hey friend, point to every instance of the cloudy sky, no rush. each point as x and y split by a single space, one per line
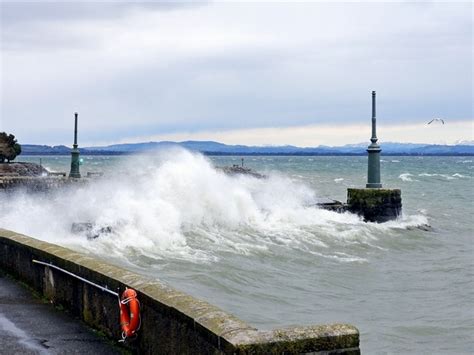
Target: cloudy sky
262 73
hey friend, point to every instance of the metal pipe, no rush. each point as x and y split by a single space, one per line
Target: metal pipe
374 133
105 289
75 129
373 171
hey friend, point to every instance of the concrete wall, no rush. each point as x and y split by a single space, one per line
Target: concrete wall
375 205
172 322
35 184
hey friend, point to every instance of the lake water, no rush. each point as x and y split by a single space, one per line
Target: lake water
257 249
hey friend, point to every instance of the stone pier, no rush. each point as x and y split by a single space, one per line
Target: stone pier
375 205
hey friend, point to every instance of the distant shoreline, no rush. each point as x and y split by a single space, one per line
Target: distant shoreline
212 148
309 154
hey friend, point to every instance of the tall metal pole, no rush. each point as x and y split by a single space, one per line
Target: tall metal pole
374 120
373 171
75 130
74 173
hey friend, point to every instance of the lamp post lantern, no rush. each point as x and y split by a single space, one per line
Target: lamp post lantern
74 173
373 172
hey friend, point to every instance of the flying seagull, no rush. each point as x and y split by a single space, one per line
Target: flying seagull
436 120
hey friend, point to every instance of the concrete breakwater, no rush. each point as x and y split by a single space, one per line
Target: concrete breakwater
172 322
37 184
375 205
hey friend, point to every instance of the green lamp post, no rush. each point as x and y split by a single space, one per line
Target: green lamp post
373 173
74 173
374 203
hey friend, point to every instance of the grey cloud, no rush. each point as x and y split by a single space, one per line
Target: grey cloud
35 25
27 12
419 72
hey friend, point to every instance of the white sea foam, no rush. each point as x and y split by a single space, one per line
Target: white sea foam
445 176
338 179
406 177
341 257
407 222
460 176
177 205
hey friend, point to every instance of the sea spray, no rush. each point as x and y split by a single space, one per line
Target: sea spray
406 287
175 205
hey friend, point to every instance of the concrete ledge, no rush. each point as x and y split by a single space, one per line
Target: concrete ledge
37 184
172 322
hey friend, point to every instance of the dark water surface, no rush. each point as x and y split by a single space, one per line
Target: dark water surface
256 249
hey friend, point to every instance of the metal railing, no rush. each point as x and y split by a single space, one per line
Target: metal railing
105 289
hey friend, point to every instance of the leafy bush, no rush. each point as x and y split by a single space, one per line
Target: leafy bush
9 147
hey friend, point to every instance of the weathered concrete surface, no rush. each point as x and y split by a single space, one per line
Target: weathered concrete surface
375 205
240 170
331 205
37 184
21 169
172 322
30 326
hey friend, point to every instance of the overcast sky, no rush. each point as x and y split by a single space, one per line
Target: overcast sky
249 73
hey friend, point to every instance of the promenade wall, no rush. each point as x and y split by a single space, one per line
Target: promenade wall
172 321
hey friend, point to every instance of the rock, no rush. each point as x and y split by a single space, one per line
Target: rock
331 205
90 230
239 170
22 169
423 227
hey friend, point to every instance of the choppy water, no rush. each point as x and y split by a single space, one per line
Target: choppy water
255 248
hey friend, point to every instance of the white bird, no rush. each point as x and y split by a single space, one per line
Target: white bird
436 120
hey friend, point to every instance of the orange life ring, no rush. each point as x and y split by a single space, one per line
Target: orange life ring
129 313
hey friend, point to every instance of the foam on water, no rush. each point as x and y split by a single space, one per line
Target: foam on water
254 247
460 176
177 205
406 177
445 176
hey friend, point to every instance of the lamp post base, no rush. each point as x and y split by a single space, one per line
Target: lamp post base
375 204
74 173
373 186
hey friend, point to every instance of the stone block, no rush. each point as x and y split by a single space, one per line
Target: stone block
375 205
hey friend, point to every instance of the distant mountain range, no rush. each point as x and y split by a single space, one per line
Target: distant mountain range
215 148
